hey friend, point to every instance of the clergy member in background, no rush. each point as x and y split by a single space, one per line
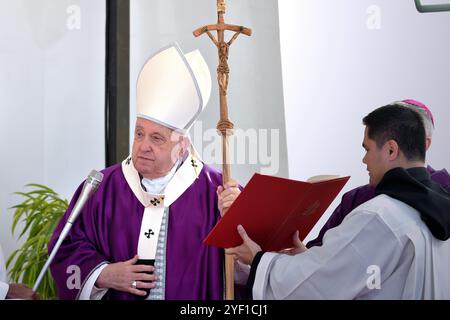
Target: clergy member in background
357 196
142 231
13 290
394 246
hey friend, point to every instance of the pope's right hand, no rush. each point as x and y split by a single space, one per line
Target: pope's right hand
121 276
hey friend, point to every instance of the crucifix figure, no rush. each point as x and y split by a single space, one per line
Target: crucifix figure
224 126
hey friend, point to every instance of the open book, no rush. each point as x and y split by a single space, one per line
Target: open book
271 209
322 177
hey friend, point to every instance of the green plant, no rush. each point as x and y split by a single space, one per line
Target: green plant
41 211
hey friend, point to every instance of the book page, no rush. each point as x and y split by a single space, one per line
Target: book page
322 177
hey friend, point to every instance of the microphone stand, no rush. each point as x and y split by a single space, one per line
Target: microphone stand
90 186
52 255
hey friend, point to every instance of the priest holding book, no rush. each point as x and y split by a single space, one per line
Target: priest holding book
394 246
359 195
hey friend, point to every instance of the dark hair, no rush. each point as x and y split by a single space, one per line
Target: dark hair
400 124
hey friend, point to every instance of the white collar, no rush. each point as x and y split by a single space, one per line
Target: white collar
182 179
157 186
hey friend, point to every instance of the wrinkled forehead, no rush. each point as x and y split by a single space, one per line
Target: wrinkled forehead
150 126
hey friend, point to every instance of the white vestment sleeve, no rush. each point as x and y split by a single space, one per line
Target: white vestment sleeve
336 270
89 290
4 287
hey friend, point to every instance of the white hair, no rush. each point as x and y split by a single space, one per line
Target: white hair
426 120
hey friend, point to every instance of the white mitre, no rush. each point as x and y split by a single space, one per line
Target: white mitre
173 88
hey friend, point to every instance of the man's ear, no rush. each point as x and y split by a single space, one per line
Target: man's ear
427 143
184 143
392 149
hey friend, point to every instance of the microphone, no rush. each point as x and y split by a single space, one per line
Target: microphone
90 186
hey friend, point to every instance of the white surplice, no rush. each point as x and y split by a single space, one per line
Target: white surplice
384 237
4 286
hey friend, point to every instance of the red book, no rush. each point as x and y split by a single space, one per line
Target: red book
271 209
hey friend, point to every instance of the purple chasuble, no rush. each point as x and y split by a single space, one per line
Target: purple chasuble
107 230
358 196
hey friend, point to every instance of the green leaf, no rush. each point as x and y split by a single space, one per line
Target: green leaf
41 186
24 194
16 219
27 226
11 257
40 211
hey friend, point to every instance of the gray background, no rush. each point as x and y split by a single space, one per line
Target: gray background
51 99
338 66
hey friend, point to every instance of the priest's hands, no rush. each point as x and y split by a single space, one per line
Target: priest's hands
21 291
247 251
299 247
227 195
122 275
